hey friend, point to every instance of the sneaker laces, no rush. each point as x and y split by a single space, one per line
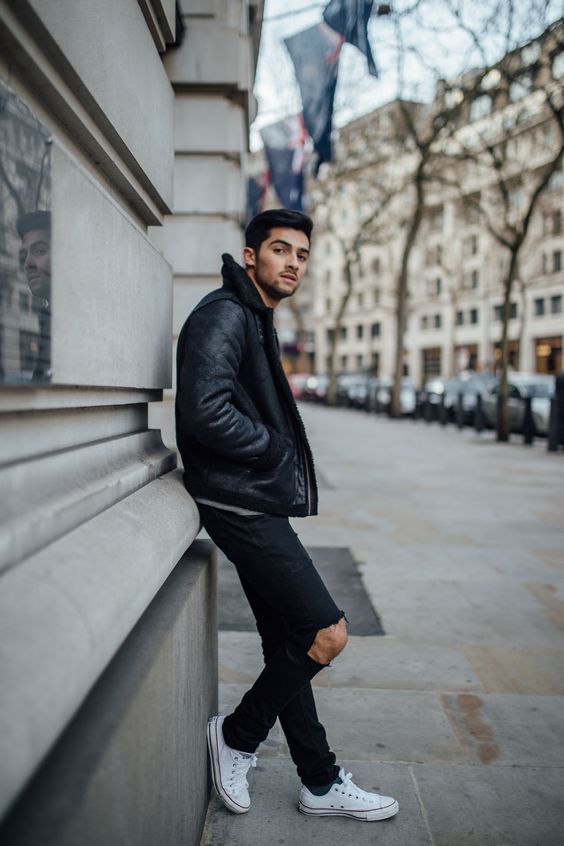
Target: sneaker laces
239 769
349 785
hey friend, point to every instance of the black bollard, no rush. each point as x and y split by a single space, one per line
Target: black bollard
443 417
460 411
528 422
556 421
478 415
428 411
553 434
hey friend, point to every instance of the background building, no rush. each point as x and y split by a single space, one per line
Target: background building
457 266
107 608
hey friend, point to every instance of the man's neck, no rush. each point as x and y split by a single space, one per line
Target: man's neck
268 301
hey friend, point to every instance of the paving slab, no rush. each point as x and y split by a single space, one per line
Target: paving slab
508 729
274 818
383 725
518 669
492 806
374 662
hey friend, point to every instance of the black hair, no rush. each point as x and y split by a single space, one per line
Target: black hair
33 221
258 229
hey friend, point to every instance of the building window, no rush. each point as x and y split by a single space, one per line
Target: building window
544 264
376 330
424 321
498 312
330 335
360 331
29 349
438 321
360 299
557 223
513 311
376 265
344 361
474 279
328 277
359 362
376 296
539 307
327 305
24 301
473 315
556 261
343 333
556 304
460 318
431 362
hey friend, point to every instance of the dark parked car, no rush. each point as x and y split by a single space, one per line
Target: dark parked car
380 395
520 386
315 388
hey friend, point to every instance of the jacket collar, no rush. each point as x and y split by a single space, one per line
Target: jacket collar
236 278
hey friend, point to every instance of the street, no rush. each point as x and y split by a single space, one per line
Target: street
457 710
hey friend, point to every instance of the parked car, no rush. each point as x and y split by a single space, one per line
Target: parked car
470 385
351 390
538 386
298 382
315 389
380 395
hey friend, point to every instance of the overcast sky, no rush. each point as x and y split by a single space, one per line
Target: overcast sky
447 48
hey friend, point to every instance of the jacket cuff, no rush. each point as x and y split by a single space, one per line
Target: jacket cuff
275 451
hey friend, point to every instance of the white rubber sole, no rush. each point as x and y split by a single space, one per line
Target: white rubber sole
212 731
365 816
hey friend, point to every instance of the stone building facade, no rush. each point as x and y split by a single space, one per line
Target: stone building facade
456 268
108 663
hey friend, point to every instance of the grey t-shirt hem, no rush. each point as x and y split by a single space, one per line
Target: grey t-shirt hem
244 512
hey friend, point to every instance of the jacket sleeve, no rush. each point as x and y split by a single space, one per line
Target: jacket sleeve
208 366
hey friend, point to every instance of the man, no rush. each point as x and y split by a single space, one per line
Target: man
249 466
34 230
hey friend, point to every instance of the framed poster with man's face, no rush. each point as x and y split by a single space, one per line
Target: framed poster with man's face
25 243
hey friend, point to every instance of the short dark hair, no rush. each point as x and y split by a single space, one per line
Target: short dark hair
33 221
258 229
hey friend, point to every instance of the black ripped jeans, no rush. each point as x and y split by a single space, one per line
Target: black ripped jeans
290 604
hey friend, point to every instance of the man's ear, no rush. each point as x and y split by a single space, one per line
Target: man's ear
249 257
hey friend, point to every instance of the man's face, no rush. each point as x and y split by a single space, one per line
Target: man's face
35 259
281 262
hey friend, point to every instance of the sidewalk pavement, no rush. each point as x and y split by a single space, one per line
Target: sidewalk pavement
458 710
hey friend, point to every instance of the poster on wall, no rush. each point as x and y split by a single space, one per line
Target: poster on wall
25 243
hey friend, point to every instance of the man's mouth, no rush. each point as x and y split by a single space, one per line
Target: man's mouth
289 276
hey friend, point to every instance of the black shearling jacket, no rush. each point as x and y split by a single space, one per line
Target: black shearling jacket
238 429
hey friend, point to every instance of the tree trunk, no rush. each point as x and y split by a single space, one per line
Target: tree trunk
332 386
402 285
502 414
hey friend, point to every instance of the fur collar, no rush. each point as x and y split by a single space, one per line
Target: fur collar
236 278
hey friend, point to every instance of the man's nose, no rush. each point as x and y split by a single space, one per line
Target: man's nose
29 262
293 262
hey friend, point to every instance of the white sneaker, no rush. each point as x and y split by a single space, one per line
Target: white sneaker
348 800
229 769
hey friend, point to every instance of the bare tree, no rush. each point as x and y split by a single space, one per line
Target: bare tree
513 160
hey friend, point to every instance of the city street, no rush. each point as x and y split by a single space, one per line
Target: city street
457 710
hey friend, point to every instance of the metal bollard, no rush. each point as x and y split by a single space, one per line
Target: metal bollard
528 422
460 411
428 411
479 415
443 411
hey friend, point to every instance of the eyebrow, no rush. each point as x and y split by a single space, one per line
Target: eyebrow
287 244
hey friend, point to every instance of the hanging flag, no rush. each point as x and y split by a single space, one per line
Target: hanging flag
257 186
315 54
284 146
350 19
